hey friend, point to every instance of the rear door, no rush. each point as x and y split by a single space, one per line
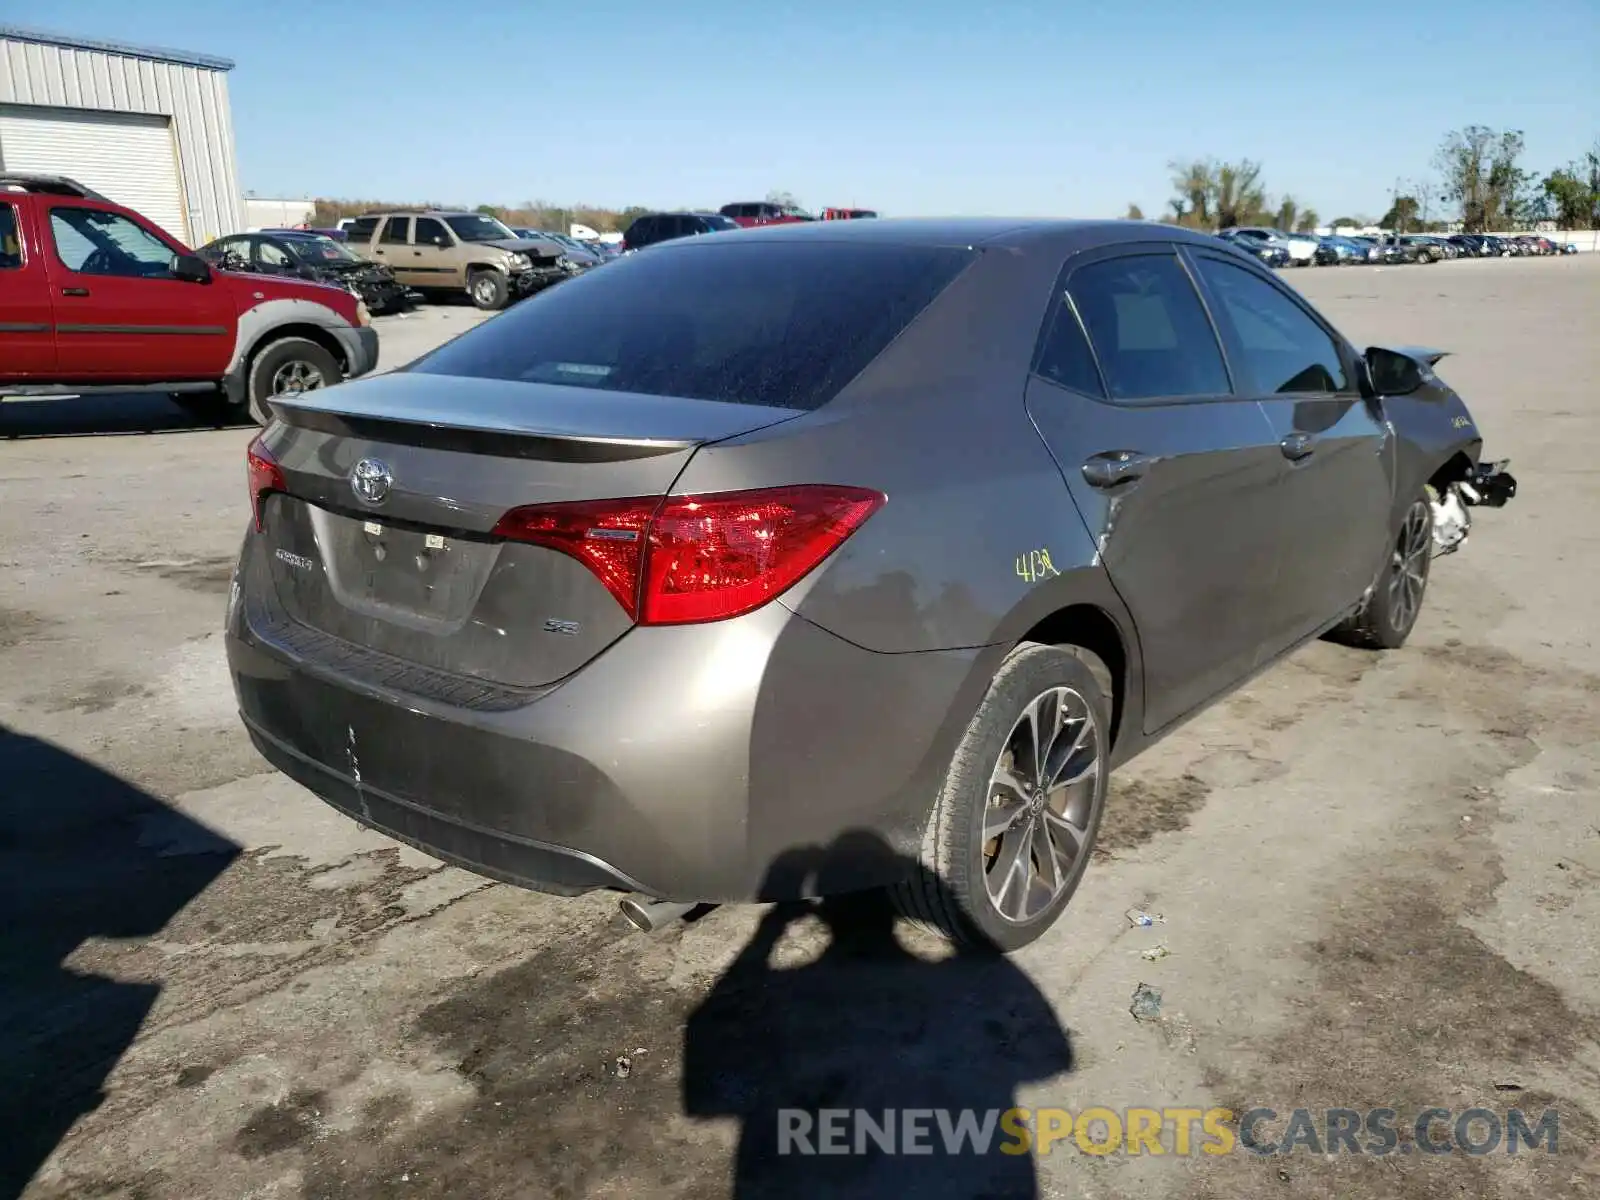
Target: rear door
27 334
393 246
1334 499
1172 472
119 312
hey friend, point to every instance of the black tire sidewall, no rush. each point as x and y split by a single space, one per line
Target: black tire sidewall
273 356
1028 671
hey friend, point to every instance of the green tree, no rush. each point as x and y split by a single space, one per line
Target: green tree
1403 214
1135 213
1308 221
488 210
1572 193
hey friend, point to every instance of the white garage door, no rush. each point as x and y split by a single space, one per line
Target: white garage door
128 157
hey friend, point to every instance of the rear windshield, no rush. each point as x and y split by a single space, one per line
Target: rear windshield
743 322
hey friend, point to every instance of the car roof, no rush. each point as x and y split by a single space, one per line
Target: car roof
992 232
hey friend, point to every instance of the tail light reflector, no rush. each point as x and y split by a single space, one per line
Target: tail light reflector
687 559
265 476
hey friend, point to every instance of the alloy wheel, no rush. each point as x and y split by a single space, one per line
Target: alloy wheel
1040 807
296 376
483 290
1407 577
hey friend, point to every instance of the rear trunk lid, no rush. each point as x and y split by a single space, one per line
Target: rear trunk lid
382 537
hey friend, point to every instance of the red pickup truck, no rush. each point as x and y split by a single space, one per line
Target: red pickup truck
95 298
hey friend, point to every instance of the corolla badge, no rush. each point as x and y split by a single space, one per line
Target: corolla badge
370 480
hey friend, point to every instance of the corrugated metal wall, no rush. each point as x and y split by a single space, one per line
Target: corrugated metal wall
196 98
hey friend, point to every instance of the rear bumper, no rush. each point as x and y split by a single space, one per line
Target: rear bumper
694 762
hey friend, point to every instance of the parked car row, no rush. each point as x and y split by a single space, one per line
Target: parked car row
1276 248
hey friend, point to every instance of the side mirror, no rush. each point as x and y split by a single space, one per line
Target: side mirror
442 242
190 268
1392 374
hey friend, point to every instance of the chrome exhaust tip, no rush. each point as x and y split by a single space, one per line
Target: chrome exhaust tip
651 916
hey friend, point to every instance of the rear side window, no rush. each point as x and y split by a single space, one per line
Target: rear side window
361 229
1285 351
1065 357
397 231
1149 330
753 323
641 231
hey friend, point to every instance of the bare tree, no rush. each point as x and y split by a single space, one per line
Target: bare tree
786 199
1481 175
1135 213
1239 198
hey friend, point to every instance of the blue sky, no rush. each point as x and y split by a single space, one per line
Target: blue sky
1065 108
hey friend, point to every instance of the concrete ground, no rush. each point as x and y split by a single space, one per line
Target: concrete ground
1379 873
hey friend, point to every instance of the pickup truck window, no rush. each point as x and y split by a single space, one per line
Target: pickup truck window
10 243
94 242
396 231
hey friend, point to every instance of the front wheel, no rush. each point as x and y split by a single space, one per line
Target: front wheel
489 290
288 367
1013 827
1390 612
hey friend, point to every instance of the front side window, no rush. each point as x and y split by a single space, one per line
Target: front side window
10 240
1149 330
92 241
431 232
475 227
317 250
270 255
1285 351
754 323
396 231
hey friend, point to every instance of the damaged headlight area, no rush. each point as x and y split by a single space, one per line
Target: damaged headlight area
1488 485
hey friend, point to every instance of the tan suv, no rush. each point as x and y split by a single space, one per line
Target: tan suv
435 251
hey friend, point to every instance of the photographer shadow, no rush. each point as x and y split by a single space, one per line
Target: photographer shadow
84 857
873 1029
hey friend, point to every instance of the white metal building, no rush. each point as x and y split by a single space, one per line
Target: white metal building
150 129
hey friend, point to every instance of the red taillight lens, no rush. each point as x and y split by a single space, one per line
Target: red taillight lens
607 536
265 476
687 559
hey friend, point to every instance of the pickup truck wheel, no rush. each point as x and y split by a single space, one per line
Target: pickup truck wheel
1390 613
288 367
489 290
1014 825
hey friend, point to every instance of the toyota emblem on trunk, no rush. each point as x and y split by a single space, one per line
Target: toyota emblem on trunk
371 480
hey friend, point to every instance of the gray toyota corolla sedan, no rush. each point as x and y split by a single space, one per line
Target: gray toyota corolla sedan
693 576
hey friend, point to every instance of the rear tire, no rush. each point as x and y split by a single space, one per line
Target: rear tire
1389 614
961 888
289 366
488 290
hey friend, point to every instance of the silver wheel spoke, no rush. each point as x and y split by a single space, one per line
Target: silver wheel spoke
1011 870
998 818
1047 866
1065 835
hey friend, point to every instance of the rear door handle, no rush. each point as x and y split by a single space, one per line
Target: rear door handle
74 291
1297 446
1111 467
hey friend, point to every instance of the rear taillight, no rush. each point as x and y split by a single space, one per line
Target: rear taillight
688 559
265 476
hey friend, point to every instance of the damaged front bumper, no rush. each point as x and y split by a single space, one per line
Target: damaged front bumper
1487 485
536 279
